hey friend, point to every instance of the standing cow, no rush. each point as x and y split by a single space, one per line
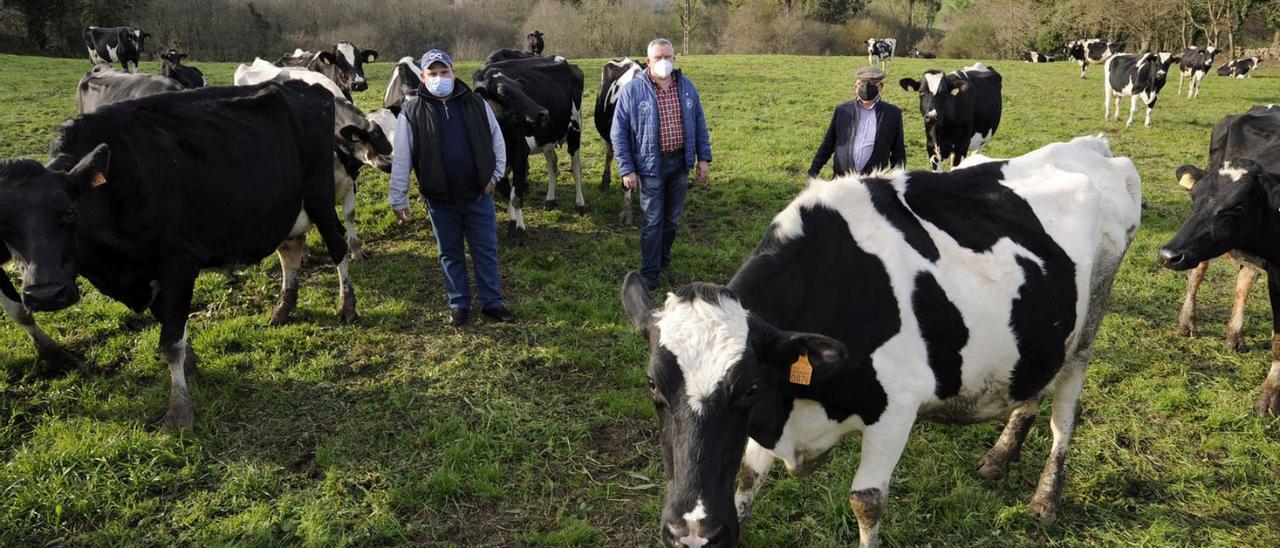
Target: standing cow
536 44
1139 77
140 196
115 45
104 85
538 103
1234 207
189 77
1092 51
615 75
880 50
1195 63
980 291
344 64
961 111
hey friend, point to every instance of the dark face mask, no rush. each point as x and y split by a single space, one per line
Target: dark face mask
869 92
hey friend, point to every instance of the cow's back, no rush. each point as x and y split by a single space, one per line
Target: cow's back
1254 135
104 85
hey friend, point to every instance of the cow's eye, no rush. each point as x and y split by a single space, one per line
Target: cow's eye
749 395
69 217
1235 211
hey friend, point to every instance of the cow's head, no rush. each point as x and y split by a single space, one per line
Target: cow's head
711 365
350 62
509 101
535 40
37 221
1157 64
173 57
1230 205
139 37
361 136
936 91
403 84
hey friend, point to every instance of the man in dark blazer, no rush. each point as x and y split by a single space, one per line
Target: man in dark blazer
865 134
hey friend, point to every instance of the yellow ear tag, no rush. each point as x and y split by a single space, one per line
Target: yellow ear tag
801 371
99 179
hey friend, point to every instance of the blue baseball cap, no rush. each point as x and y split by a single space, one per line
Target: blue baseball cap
435 56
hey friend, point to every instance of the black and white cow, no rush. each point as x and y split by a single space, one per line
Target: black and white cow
961 111
1234 207
105 85
189 77
115 45
1195 62
880 50
1037 57
1240 68
615 75
538 102
1135 76
536 44
1092 51
916 53
140 196
979 292
344 64
404 83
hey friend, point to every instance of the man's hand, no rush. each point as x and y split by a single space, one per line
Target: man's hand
630 181
704 169
403 215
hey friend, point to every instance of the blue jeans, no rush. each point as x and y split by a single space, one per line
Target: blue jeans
661 204
477 221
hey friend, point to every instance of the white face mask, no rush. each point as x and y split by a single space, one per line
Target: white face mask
662 69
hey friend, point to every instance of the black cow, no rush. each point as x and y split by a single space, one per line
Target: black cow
1139 77
344 64
404 83
1195 62
979 291
538 102
189 77
1092 51
140 196
536 44
916 53
115 45
880 50
1240 68
1234 207
105 85
615 75
961 111
1037 57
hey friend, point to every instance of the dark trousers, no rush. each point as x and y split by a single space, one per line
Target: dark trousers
477 222
662 205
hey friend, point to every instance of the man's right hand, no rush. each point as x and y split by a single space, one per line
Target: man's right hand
403 215
630 181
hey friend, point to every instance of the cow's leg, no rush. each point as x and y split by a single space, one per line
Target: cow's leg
755 463
1269 400
1245 277
1150 107
575 163
516 229
1009 446
515 213
290 253
346 293
1106 104
935 154
354 247
1133 107
1066 405
171 307
553 173
605 178
47 350
1082 65
1187 316
626 216
882 445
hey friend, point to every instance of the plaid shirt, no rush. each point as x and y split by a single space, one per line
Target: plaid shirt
671 128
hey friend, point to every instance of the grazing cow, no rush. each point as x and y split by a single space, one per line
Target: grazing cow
1240 68
916 53
880 50
538 102
105 85
1092 51
1037 57
1234 207
344 64
360 139
979 292
1139 77
115 45
615 75
535 42
140 196
961 111
189 77
404 83
1195 63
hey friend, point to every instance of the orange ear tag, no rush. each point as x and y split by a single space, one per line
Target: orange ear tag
801 371
99 179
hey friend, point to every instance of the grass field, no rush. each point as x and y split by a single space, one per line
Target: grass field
403 430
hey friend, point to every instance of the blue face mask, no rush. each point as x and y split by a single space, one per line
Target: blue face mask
440 86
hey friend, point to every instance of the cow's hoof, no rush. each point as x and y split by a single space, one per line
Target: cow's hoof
549 204
991 468
280 316
56 359
190 363
1235 341
625 217
358 254
347 309
1269 402
1046 510
518 236
181 414
1186 329
582 209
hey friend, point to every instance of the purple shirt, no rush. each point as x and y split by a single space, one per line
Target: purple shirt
864 135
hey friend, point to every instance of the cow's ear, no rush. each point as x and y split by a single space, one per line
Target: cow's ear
354 134
786 347
909 84
637 303
959 86
325 57
1188 175
89 172
369 55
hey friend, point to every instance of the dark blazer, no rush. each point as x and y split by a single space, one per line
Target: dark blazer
889 151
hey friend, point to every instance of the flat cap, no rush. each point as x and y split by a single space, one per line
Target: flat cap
873 74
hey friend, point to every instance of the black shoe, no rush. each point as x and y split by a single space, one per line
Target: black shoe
458 316
499 314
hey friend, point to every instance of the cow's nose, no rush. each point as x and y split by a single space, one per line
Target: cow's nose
1170 258
50 296
359 85
931 115
679 535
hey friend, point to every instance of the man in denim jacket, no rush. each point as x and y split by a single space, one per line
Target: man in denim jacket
659 134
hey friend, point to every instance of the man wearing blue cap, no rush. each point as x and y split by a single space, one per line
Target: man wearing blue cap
449 137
